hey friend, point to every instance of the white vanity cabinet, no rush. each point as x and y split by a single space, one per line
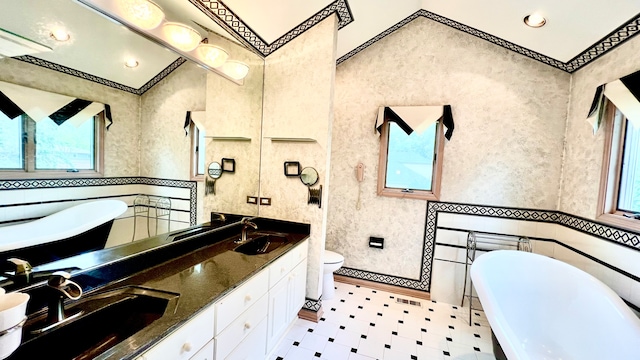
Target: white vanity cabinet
190 341
247 322
286 293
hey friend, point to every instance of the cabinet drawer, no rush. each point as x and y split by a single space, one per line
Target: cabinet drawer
253 346
186 341
206 353
241 327
287 262
240 299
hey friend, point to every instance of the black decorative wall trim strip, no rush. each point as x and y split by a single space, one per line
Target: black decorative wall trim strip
313 305
25 184
617 37
96 79
161 75
616 235
229 21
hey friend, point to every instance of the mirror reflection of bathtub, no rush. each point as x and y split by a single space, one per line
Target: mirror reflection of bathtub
72 231
542 308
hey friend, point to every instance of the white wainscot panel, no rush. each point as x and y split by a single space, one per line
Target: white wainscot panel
543 247
450 253
451 237
167 191
612 253
546 230
8 197
447 282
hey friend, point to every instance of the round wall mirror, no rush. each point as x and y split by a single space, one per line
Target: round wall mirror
309 176
215 170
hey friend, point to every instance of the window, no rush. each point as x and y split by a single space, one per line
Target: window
46 149
410 165
619 200
198 152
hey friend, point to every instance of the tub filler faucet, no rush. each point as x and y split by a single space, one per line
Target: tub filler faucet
246 224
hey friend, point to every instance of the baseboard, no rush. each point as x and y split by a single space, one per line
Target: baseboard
311 315
383 287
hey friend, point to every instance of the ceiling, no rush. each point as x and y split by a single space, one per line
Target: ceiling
577 31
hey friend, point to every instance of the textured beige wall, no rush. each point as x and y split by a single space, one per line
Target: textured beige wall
298 101
583 150
506 150
121 141
164 148
235 111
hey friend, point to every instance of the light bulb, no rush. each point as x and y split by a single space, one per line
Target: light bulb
235 69
142 13
60 34
181 36
535 20
212 55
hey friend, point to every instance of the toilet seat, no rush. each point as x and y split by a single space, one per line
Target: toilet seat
332 258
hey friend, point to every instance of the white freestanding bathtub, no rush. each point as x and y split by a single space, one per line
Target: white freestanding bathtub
541 308
80 228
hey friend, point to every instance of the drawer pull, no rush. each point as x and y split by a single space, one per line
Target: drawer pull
283 269
247 298
186 347
247 325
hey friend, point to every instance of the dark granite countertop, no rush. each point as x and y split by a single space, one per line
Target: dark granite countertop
201 276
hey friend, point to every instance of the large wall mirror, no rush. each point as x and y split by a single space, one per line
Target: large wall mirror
149 89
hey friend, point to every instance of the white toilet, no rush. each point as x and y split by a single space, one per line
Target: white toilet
332 262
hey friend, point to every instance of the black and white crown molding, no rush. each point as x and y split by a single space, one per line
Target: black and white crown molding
229 21
615 38
27 184
96 79
616 235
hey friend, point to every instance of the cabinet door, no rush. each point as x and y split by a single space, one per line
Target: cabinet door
297 290
278 316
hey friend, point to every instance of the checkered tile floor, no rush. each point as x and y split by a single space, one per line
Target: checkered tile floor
365 324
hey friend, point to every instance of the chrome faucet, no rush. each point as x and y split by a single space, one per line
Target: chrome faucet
61 288
246 224
218 216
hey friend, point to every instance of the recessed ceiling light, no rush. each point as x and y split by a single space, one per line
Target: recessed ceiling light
142 13
60 34
131 63
535 20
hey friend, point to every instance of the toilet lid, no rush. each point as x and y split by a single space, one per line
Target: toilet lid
332 258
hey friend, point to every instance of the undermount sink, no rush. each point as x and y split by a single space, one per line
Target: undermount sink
262 243
107 319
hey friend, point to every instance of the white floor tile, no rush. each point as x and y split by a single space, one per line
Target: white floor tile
358 326
371 347
429 353
462 352
333 351
296 333
298 353
326 328
354 356
314 342
407 345
347 338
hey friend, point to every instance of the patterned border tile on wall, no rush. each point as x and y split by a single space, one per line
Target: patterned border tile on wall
96 79
25 184
605 232
313 305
